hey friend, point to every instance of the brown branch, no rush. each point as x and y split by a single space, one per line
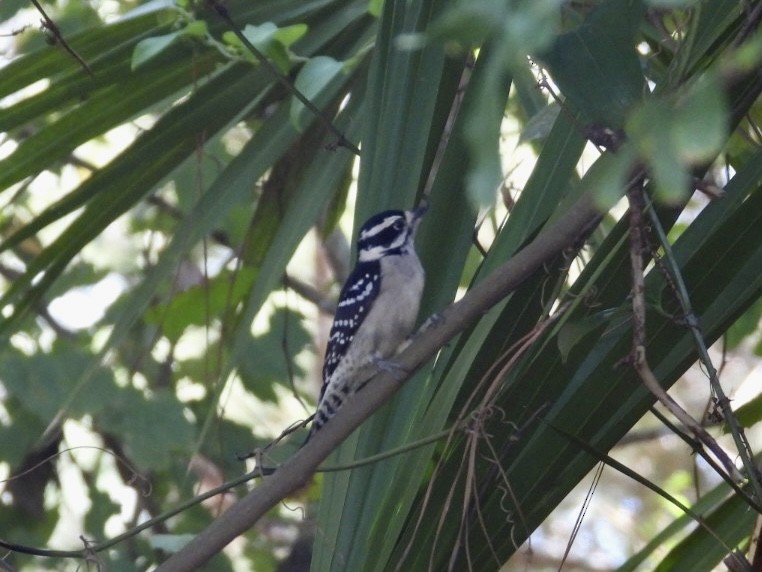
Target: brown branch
677 284
455 107
51 27
638 357
296 471
474 416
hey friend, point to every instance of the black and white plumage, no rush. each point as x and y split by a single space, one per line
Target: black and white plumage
377 308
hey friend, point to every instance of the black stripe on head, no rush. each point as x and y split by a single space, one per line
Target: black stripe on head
382 233
380 228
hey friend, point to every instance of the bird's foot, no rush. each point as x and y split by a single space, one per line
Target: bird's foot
394 369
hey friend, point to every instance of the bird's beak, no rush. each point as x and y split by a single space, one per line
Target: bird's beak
420 211
414 217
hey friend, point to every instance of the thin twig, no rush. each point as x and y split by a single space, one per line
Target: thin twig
699 450
739 437
457 104
494 377
256 473
627 471
753 19
638 358
342 141
597 474
297 470
51 26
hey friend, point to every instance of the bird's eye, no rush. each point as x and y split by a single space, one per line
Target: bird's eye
399 225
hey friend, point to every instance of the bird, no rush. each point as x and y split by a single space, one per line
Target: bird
376 310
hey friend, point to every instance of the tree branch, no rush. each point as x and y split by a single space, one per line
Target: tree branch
681 293
52 27
296 471
638 358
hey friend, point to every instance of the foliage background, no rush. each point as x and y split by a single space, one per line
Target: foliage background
179 185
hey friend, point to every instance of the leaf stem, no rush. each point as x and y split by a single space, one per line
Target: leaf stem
49 25
625 470
638 358
258 472
342 141
681 292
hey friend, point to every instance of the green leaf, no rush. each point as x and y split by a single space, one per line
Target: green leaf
699 127
539 125
469 22
270 40
607 178
127 179
651 129
197 305
744 327
23 430
97 45
42 382
596 65
530 27
670 4
127 94
288 35
674 134
315 76
482 132
664 539
404 90
749 413
732 521
102 509
375 7
573 331
269 358
151 47
10 7
231 187
196 29
152 427
514 29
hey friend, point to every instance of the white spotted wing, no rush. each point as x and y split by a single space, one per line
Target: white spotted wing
355 302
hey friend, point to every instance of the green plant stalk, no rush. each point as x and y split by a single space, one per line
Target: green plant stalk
695 446
742 444
616 465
